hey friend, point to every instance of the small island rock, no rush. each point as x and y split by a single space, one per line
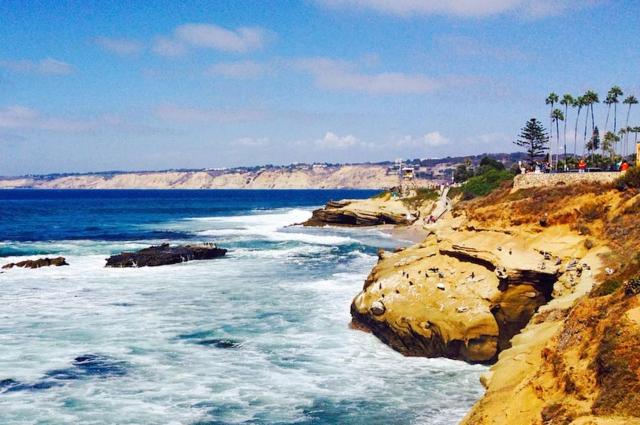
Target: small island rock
165 254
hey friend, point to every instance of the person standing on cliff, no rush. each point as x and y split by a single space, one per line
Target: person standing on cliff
582 165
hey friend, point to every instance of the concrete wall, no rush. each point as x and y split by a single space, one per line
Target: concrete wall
524 181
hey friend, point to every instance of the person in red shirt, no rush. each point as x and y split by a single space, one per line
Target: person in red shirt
582 165
624 166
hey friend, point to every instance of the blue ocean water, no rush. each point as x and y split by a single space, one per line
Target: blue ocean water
258 337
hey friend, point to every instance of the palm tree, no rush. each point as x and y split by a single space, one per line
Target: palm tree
586 99
622 136
592 98
567 100
552 99
608 101
635 131
578 103
630 100
616 92
557 115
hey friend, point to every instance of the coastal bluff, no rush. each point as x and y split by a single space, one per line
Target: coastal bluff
384 208
368 212
543 283
356 176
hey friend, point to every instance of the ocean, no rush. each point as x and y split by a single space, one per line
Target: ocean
260 336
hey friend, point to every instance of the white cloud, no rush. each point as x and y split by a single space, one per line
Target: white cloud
490 139
168 47
46 66
240 70
200 115
210 36
24 118
333 141
120 46
461 8
469 46
340 75
432 139
252 141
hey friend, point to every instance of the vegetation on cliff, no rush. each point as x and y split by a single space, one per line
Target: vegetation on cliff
490 175
577 362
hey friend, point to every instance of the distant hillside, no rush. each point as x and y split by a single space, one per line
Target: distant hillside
295 176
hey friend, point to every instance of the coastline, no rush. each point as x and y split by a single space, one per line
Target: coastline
511 272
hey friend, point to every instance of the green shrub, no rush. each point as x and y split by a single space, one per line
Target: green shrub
607 287
485 183
631 178
422 194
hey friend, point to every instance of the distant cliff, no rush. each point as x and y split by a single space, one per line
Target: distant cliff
360 176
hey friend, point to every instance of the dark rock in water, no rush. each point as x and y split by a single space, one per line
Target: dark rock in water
12 385
99 365
83 367
219 343
6 384
89 365
165 254
40 262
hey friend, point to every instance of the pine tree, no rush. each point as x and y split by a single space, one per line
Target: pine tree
534 138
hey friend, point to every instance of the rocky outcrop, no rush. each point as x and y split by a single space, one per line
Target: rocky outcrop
465 294
165 254
36 264
367 212
581 367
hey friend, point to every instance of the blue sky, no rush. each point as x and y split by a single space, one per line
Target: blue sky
97 85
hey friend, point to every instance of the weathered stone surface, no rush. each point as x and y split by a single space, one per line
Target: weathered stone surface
40 262
365 212
443 297
165 254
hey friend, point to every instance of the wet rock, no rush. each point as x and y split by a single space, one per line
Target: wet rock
165 254
219 343
36 264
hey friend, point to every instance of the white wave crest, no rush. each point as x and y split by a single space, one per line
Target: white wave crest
272 226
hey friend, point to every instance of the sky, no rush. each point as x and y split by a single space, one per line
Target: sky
107 85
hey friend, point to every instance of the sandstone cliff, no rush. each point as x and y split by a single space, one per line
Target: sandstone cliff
361 176
534 281
381 209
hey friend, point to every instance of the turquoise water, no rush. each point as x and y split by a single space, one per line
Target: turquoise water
258 337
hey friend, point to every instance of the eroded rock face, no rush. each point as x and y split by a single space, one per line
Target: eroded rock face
165 254
362 213
40 262
445 299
